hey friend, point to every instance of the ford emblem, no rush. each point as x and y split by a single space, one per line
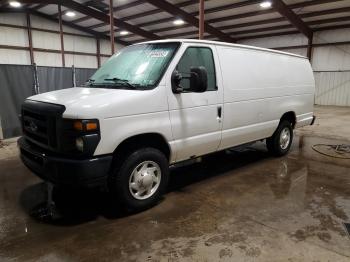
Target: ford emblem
33 127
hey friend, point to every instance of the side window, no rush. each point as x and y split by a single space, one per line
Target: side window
194 57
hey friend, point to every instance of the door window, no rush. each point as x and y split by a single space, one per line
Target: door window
195 57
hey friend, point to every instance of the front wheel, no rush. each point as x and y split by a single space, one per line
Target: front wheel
141 180
280 142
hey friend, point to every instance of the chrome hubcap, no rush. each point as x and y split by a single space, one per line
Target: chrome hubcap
285 138
145 180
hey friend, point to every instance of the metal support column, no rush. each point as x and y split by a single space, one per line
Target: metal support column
61 34
30 39
201 19
111 23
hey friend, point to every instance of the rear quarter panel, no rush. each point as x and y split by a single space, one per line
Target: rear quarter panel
259 87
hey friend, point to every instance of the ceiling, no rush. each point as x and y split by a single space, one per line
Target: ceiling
234 19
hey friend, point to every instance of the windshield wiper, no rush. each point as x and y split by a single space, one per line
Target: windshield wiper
90 82
125 81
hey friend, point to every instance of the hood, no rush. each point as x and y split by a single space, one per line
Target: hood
84 102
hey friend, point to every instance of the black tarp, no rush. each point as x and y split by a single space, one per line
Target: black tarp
17 83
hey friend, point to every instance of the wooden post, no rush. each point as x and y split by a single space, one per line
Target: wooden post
98 52
111 23
61 34
201 19
30 40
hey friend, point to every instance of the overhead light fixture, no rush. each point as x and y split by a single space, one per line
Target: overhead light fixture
70 14
178 22
15 4
265 4
124 33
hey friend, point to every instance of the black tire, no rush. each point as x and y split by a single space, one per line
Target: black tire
119 183
273 143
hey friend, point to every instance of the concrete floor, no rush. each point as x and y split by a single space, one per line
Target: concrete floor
237 206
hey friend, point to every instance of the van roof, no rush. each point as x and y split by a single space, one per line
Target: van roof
223 44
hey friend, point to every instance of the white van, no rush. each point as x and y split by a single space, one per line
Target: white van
157 103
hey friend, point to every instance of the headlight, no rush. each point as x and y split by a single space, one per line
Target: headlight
79 144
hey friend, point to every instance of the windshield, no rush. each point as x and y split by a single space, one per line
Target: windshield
135 67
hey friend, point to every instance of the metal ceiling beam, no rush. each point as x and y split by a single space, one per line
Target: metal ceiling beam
38 6
232 17
105 18
178 12
151 12
264 29
295 20
77 27
323 28
97 15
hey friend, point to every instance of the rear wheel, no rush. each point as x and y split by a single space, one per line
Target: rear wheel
280 142
141 179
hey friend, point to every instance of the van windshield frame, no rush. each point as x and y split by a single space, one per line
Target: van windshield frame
136 67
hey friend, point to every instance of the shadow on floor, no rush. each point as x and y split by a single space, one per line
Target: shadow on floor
77 206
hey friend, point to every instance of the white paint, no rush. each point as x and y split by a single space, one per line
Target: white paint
255 88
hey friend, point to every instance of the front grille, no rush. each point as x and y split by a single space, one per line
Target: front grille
39 121
35 126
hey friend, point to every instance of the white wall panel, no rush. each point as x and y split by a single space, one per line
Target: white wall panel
13 36
277 41
46 40
103 59
42 23
47 59
13 19
331 58
79 44
81 61
332 36
105 47
298 51
17 57
332 88
72 30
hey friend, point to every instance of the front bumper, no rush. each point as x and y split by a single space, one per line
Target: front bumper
90 172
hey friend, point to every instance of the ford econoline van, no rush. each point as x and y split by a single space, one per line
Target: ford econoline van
157 103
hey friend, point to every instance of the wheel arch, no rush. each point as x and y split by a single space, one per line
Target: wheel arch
138 141
289 116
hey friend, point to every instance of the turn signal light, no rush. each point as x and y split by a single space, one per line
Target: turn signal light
91 126
85 125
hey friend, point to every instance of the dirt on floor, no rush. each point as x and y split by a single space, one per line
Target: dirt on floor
238 205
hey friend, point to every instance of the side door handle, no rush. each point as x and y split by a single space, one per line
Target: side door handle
219 113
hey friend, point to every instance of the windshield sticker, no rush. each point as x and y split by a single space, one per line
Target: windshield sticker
158 53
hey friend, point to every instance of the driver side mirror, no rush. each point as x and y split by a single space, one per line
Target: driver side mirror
198 80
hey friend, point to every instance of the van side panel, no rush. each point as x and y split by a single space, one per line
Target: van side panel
259 87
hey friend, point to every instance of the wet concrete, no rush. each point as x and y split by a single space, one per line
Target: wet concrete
234 206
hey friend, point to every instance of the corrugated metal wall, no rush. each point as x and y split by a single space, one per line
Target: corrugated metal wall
333 88
47 40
